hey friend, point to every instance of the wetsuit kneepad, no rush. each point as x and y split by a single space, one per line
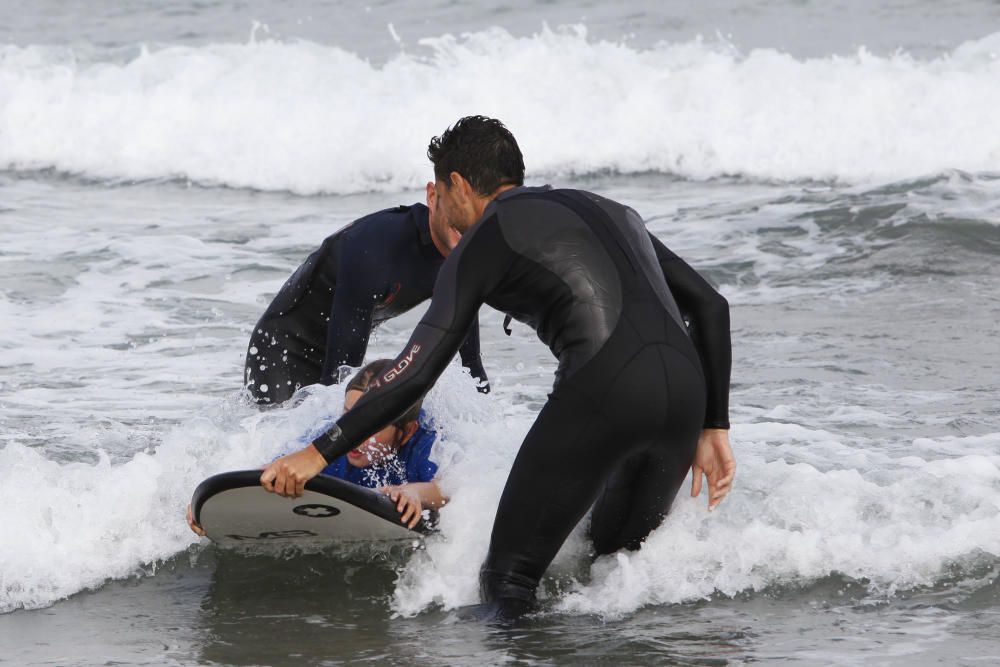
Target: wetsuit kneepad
376 268
633 388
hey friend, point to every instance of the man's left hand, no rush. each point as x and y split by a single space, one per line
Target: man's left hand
713 458
288 475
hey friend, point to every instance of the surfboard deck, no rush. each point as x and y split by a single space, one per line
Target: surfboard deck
236 511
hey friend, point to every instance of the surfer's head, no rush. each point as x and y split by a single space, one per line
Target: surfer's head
474 160
386 442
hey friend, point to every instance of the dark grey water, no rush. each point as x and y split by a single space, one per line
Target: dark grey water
257 610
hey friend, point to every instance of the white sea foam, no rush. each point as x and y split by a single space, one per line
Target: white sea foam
308 118
82 523
843 504
896 523
795 524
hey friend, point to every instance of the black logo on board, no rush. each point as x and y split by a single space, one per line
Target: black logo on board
275 535
316 511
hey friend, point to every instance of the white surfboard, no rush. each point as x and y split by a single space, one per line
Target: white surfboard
236 511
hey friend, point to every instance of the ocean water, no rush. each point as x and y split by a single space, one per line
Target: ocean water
834 168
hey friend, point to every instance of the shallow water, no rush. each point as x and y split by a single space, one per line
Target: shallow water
151 203
222 609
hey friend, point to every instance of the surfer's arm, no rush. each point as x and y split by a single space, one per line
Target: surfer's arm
471 357
469 274
351 315
708 312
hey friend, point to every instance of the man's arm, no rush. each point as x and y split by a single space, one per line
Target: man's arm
466 278
708 312
351 315
469 274
471 357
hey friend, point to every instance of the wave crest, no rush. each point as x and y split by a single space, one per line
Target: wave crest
312 119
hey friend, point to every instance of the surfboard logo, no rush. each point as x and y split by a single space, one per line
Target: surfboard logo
403 364
274 535
316 511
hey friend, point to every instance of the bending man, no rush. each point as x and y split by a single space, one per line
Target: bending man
376 268
637 402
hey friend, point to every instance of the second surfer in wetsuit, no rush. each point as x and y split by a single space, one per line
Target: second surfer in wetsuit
376 268
637 401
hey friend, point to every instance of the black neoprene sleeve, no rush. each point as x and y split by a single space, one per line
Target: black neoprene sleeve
471 357
471 271
708 312
350 318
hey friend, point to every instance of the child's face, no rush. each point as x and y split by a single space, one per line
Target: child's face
376 448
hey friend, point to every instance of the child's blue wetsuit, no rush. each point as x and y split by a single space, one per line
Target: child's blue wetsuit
411 463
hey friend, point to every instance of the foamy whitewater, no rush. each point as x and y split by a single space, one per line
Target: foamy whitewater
156 192
300 117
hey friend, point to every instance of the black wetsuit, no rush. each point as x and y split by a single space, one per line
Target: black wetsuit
376 268
633 390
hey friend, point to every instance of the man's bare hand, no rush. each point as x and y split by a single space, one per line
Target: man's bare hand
198 530
713 459
288 475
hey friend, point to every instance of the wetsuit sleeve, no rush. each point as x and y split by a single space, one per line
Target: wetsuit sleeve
471 272
708 313
350 323
471 357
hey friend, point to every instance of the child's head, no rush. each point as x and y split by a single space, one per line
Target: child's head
386 442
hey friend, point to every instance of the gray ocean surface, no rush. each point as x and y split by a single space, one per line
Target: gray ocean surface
834 168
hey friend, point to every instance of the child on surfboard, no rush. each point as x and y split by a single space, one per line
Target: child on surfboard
395 461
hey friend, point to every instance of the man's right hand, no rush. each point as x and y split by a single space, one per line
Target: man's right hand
288 475
713 459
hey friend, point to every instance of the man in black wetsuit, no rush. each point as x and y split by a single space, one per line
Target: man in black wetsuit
639 398
376 268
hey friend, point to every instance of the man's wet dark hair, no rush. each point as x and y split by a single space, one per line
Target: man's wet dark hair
482 150
362 381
